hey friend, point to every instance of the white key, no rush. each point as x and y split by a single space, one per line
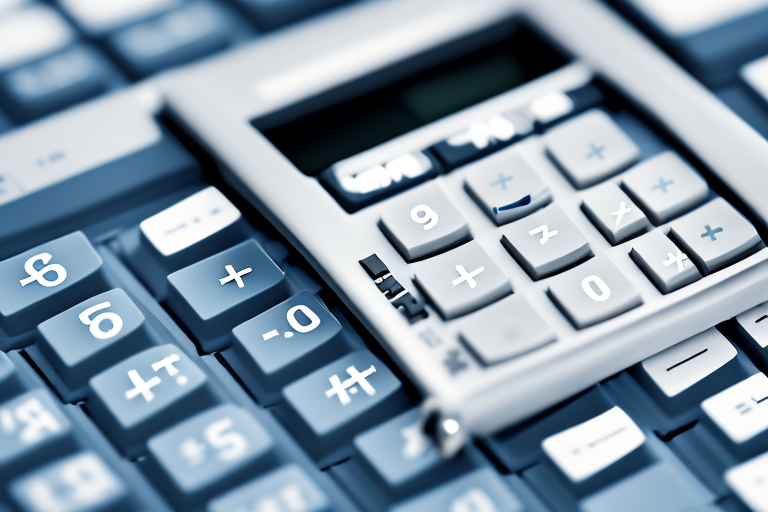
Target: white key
749 481
755 322
741 411
103 15
756 75
681 366
683 17
189 221
588 448
31 33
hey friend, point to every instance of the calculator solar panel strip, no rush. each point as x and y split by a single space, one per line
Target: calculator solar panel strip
219 99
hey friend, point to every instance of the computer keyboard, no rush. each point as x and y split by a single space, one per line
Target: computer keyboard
402 255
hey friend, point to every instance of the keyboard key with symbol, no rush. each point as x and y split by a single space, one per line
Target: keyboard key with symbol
214 295
715 235
741 413
145 394
666 186
614 213
545 242
667 266
461 280
590 147
752 331
750 482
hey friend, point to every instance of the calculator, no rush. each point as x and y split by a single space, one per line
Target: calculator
391 255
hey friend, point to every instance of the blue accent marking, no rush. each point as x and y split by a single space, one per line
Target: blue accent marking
520 202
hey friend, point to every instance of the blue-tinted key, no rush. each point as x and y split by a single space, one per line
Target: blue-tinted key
269 14
479 491
214 295
285 489
331 404
46 280
95 334
79 483
284 343
10 381
32 429
146 393
208 453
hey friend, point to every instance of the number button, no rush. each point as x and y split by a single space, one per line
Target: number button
208 453
423 222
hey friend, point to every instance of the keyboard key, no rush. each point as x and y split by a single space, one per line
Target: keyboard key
96 17
715 235
330 405
31 33
504 330
207 454
461 280
667 266
756 75
46 280
145 394
590 147
753 323
10 380
593 292
269 14
506 186
78 483
614 214
216 294
481 138
283 344
545 242
666 186
285 489
750 482
95 334
423 222
741 411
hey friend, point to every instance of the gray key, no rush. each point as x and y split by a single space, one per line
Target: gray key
593 292
461 280
500 184
507 329
546 242
423 222
590 148
666 186
715 235
614 213
665 265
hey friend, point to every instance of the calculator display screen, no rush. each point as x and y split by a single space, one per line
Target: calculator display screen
321 138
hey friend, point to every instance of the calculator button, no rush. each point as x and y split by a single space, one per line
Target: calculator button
96 17
715 235
506 186
92 336
755 324
614 213
423 222
545 242
331 404
479 138
46 280
31 33
593 292
749 480
666 186
504 330
10 380
214 295
268 14
741 411
145 394
667 266
208 453
461 280
288 488
78 483
590 147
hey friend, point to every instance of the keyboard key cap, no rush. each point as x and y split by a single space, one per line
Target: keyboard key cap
545 242
46 280
750 482
461 280
614 214
506 186
666 186
590 147
95 334
423 222
10 380
96 17
593 292
31 33
504 330
330 405
207 454
145 394
741 411
715 235
667 266
285 489
216 294
752 331
481 138
283 344
78 483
